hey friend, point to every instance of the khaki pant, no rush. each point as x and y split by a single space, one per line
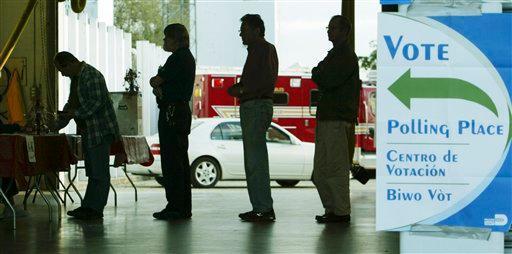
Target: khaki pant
331 171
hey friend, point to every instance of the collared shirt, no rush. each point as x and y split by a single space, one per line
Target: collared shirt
260 71
96 109
337 78
179 74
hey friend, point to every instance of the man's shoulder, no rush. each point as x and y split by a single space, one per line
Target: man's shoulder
90 70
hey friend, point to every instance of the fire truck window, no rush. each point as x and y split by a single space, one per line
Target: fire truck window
216 134
314 97
280 99
276 136
231 131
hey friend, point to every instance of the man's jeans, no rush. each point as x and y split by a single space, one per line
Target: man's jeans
97 169
255 118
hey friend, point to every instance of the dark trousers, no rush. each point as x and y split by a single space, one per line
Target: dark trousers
97 169
173 129
255 118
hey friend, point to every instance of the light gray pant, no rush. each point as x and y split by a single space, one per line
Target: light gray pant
332 163
255 118
97 169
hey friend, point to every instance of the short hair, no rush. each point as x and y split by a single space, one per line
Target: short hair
179 33
254 21
65 57
343 22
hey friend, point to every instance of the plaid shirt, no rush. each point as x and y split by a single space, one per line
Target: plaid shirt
96 109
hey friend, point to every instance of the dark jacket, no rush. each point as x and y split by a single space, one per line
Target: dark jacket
179 74
337 78
260 72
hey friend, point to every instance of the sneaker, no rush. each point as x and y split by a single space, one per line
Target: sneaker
332 218
253 216
85 213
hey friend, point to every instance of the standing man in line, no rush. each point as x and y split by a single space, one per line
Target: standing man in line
89 104
173 87
255 91
337 78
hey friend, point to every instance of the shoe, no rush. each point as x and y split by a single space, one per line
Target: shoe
85 213
171 215
252 216
75 212
332 218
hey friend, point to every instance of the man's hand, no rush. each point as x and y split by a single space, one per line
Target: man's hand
156 81
66 115
235 90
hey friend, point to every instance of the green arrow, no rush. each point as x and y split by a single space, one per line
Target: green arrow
407 88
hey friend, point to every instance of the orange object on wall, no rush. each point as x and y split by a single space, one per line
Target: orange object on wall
15 100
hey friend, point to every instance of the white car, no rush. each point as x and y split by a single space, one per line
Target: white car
216 153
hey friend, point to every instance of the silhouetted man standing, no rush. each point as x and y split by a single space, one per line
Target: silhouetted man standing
337 78
255 90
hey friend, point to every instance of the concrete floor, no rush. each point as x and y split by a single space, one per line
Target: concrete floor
214 228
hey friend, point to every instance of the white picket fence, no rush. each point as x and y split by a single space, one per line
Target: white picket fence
149 58
109 49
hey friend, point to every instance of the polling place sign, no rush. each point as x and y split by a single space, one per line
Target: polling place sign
444 121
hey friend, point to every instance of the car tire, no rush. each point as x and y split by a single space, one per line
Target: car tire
205 172
287 183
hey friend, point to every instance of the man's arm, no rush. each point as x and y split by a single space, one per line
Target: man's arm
333 73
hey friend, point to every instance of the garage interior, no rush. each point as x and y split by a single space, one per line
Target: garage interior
214 227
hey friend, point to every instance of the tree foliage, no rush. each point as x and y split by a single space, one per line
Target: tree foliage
141 18
370 62
146 19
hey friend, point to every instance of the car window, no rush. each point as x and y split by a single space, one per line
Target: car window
216 134
227 131
275 135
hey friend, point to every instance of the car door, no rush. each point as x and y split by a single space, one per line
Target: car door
286 160
227 139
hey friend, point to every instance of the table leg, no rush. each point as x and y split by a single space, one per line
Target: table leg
131 182
54 192
27 193
9 206
63 186
72 185
115 194
38 189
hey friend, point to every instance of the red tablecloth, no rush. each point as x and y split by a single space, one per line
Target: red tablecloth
52 153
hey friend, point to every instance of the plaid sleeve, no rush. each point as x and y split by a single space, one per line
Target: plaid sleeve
92 94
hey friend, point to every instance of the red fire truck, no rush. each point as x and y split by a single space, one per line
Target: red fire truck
295 100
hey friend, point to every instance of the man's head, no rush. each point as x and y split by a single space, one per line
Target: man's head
176 36
338 29
67 64
252 28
